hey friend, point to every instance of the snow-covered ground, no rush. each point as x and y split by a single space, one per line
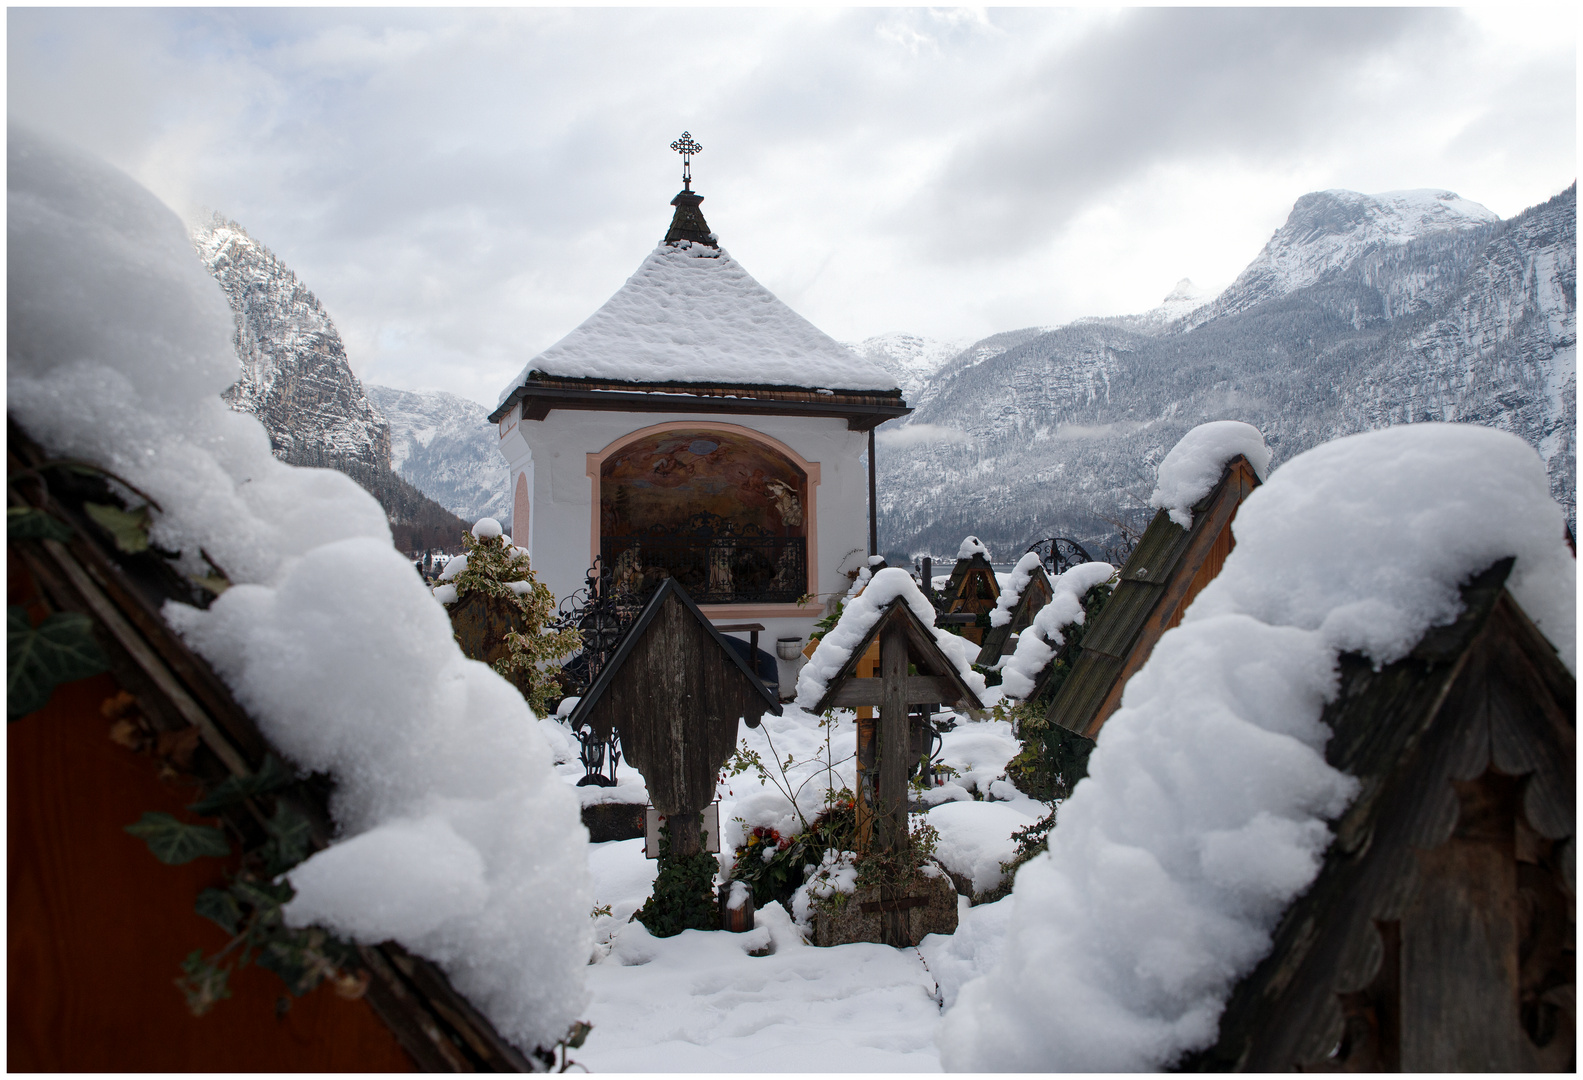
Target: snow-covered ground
703 1002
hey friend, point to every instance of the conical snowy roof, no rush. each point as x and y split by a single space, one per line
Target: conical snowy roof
691 314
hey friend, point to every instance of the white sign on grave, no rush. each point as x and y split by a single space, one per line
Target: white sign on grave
652 820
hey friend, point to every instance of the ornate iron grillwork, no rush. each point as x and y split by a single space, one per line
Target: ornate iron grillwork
716 560
603 615
1060 554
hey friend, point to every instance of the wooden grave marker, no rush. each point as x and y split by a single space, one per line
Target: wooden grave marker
1168 568
1037 593
1439 933
884 747
972 590
675 691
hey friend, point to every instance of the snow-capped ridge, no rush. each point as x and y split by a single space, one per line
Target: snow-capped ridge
911 358
445 446
1328 231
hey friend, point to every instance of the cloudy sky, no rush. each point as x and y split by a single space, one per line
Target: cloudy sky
462 187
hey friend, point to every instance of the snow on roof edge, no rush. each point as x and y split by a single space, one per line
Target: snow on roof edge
1199 459
859 616
691 314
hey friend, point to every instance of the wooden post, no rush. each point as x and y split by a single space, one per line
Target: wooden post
891 790
868 668
891 804
684 834
873 510
867 777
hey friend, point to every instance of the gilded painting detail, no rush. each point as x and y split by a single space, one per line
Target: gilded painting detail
722 514
661 481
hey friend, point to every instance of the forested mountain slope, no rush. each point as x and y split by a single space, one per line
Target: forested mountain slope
1450 316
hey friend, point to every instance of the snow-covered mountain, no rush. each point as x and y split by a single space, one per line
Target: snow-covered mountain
909 357
296 380
1329 231
295 377
1363 311
446 447
1184 299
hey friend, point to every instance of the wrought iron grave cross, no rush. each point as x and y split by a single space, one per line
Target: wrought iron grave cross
686 147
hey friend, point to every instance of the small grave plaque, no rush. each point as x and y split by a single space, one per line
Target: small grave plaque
653 819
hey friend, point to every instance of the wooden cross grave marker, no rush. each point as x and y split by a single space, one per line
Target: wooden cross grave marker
884 746
972 590
1034 596
675 691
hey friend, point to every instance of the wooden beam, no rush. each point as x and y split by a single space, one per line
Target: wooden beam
539 402
891 811
916 690
890 817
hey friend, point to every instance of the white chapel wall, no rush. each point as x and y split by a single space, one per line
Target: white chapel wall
553 453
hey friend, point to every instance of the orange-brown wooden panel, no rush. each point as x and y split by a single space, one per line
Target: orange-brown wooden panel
1207 571
97 928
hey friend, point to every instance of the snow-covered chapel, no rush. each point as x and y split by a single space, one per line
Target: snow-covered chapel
697 428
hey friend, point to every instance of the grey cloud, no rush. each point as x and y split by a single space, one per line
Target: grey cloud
461 187
1161 85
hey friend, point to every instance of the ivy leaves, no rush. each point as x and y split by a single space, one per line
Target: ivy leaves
271 776
58 650
175 842
250 906
203 982
28 523
128 528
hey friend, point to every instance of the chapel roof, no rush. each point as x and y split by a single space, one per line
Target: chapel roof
692 315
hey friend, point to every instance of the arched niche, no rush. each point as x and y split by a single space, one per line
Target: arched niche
724 510
519 512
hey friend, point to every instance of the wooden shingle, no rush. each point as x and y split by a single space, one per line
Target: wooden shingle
1164 573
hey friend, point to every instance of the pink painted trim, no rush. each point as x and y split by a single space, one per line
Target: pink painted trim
521 513
811 511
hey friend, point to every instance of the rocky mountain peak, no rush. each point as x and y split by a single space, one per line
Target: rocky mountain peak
1328 231
295 376
911 358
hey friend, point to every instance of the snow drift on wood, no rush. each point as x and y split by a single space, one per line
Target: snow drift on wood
971 545
1196 463
1037 644
456 837
1204 811
691 314
1011 591
1368 538
859 616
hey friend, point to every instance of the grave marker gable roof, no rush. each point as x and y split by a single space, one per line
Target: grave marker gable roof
588 711
959 572
1161 577
1034 596
923 652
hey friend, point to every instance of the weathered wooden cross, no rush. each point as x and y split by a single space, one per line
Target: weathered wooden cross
885 746
675 691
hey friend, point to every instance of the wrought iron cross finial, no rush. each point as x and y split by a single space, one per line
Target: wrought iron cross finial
686 147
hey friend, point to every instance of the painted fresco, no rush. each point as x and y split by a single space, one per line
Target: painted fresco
660 481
